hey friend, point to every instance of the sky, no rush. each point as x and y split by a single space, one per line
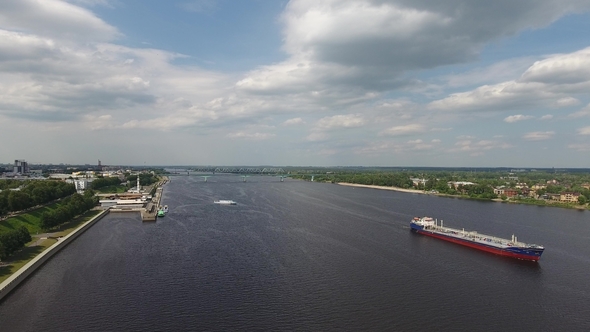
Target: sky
455 83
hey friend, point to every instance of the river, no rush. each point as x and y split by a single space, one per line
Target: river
297 255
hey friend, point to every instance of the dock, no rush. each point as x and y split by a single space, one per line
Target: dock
150 212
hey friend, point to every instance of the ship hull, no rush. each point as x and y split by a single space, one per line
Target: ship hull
513 252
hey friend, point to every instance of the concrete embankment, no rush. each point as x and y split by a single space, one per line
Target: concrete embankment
19 276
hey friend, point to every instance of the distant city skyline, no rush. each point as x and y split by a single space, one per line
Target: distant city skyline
384 83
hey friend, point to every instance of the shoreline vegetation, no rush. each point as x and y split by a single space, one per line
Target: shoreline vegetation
40 243
425 192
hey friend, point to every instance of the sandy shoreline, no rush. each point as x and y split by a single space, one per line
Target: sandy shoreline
413 191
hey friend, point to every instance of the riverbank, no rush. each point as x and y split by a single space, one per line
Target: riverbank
39 258
415 191
412 191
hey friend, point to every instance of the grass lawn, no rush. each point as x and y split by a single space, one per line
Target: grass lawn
31 219
68 227
19 259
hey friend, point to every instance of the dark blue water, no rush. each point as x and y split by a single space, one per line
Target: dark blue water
309 256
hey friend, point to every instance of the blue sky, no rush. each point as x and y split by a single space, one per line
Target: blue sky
300 82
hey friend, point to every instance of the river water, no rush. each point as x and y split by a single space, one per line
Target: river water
309 256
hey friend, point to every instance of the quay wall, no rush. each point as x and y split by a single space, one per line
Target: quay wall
19 276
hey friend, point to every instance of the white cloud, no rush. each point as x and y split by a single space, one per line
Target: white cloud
317 137
495 73
584 131
584 112
546 117
354 46
409 129
518 117
293 122
580 147
565 102
538 135
60 66
564 69
477 148
340 121
250 136
54 19
548 82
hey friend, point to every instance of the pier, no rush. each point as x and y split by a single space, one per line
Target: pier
149 210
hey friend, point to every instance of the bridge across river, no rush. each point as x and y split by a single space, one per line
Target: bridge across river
238 170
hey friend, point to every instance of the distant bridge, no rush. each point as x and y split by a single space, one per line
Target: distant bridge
239 170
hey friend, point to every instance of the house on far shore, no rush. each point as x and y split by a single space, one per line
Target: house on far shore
568 196
508 192
456 184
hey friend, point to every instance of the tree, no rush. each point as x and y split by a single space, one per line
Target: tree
582 200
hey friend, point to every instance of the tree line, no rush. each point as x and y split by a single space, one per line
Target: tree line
145 179
68 209
105 182
33 193
13 240
438 181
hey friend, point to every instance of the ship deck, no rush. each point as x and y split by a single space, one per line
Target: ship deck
473 236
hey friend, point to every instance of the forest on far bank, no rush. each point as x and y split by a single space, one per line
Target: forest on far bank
472 184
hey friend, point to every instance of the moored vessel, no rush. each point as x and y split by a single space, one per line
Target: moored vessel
225 202
504 247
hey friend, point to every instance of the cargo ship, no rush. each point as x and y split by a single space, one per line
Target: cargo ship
504 247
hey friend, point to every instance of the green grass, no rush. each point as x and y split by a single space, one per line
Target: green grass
68 227
31 220
22 257
19 259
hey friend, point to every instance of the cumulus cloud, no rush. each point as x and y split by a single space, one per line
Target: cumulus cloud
580 147
250 136
370 44
539 135
409 129
293 122
54 19
584 131
340 121
478 147
546 117
61 62
585 112
548 82
518 117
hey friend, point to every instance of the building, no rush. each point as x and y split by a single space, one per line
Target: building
508 192
20 166
82 184
456 184
568 196
418 182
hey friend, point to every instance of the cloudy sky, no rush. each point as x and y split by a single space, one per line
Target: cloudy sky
299 82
